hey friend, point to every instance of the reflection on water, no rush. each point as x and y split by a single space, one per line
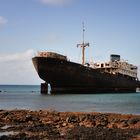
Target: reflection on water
6 127
8 133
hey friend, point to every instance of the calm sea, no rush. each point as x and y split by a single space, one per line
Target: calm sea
29 97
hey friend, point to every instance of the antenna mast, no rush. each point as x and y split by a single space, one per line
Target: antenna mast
83 45
83 32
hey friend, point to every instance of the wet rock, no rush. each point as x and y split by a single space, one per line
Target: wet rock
101 121
72 119
37 128
104 122
91 117
82 117
114 126
28 118
56 119
133 121
125 124
116 120
5 113
22 136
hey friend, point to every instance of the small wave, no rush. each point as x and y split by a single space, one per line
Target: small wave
7 91
1 91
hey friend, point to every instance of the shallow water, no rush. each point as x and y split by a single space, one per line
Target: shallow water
29 97
8 133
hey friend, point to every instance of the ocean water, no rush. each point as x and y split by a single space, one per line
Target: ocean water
29 97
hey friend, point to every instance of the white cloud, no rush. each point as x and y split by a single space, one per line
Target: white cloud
3 21
55 2
16 56
18 68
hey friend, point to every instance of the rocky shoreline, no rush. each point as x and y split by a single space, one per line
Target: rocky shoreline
51 125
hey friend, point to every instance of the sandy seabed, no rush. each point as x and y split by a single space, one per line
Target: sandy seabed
53 125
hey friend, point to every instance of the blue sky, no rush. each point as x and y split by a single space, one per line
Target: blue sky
28 26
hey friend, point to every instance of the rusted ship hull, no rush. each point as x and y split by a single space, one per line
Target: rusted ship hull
69 77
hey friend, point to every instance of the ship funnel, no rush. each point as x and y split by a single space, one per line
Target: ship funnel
114 57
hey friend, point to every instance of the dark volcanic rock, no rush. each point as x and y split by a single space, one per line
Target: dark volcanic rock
84 133
133 120
28 118
35 125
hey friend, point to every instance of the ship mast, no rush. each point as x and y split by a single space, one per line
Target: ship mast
83 45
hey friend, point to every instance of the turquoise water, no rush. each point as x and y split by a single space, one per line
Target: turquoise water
29 97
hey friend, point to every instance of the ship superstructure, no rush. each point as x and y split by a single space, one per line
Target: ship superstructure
117 66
